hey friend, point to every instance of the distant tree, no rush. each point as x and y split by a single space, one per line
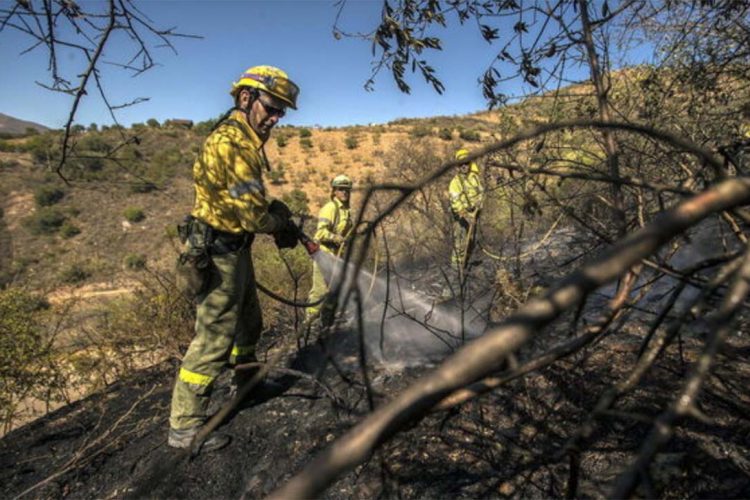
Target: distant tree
30 131
77 129
305 132
153 123
93 127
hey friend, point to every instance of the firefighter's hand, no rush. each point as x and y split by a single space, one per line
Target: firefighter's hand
288 237
279 208
337 239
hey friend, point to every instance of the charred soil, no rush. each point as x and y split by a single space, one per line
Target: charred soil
507 443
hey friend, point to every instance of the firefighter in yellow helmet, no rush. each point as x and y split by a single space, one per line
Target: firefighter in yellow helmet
466 195
231 206
334 229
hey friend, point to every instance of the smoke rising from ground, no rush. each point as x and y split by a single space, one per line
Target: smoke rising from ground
402 325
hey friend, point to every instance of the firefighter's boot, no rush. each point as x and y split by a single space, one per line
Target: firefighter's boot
183 438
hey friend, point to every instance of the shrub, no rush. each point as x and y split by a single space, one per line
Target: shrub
45 221
134 214
281 141
351 142
94 142
445 134
135 261
297 201
91 164
74 273
68 230
306 143
277 174
43 148
46 196
25 352
142 187
153 123
469 135
305 132
420 131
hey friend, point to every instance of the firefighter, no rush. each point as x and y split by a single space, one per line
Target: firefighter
334 229
230 207
466 195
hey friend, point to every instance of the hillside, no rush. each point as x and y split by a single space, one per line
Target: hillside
10 126
86 270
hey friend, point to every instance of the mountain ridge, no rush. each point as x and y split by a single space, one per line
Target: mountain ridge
10 125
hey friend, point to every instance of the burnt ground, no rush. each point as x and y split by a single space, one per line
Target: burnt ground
112 445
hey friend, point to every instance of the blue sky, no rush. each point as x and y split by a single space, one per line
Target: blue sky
294 35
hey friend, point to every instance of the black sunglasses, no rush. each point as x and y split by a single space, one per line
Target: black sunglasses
272 110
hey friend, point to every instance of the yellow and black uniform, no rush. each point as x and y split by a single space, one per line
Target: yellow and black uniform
230 207
466 195
334 227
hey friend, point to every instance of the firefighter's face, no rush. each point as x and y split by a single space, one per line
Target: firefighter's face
342 194
264 113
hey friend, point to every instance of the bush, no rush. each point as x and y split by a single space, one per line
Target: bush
305 132
135 261
281 141
68 230
94 142
74 273
420 131
43 148
306 143
153 123
25 353
297 201
142 187
277 174
469 135
445 134
351 142
133 214
44 221
46 196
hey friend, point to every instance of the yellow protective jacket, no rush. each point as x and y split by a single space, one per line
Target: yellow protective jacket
228 175
334 224
466 191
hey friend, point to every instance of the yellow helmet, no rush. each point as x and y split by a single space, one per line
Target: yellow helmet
268 79
463 153
341 182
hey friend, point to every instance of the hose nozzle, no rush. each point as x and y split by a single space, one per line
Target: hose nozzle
310 245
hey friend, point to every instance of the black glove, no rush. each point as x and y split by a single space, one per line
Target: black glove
279 208
288 237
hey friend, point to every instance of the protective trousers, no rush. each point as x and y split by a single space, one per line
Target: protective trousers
227 328
318 290
462 246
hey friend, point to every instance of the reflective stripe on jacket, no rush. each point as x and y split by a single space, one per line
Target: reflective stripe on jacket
334 219
466 191
228 175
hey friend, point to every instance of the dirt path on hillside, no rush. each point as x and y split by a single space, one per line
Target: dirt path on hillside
18 206
101 290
